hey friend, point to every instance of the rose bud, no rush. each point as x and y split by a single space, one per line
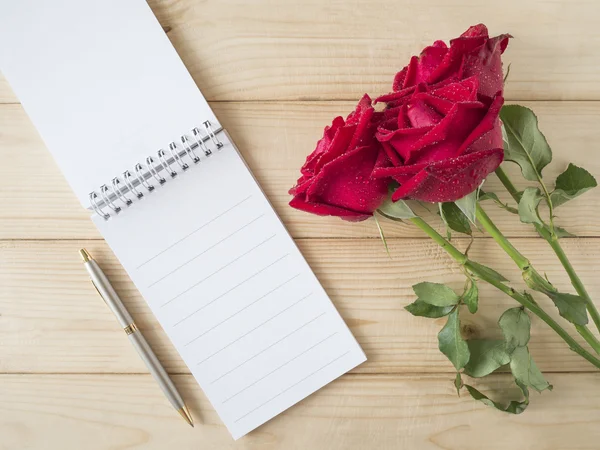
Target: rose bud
474 53
443 140
337 176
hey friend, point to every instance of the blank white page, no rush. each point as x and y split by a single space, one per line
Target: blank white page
231 289
100 81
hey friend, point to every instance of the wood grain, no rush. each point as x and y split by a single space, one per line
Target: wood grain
310 49
275 138
368 412
276 73
6 93
51 319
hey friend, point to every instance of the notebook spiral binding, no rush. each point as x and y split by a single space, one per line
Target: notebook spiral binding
119 192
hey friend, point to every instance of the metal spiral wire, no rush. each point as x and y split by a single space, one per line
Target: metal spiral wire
110 198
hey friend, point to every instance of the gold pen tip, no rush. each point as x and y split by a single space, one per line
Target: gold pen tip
85 255
186 415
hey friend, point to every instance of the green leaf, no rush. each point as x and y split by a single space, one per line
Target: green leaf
515 325
529 297
559 232
528 206
458 384
526 371
488 196
421 309
507 73
571 307
514 407
491 196
486 356
382 236
443 217
395 210
572 183
435 294
504 137
451 342
524 390
471 297
527 146
535 281
488 271
454 218
468 205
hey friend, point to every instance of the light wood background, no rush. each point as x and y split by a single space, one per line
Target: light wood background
276 72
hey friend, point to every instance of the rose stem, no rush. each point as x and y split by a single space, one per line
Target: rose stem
553 241
462 259
532 278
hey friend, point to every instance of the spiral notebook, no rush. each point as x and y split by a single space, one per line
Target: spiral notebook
175 201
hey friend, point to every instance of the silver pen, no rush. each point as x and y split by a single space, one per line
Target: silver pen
111 298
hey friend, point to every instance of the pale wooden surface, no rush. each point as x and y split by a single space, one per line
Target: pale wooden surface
276 72
274 138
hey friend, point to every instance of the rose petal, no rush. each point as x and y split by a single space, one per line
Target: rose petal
487 124
479 30
363 106
444 140
399 80
412 73
386 172
346 182
337 147
460 91
395 96
404 140
391 154
451 179
322 145
401 174
486 65
440 105
361 134
421 115
302 186
452 63
299 202
403 118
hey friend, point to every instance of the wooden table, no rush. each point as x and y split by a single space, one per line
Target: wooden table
276 72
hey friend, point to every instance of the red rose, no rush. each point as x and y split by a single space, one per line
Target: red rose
474 53
337 177
443 139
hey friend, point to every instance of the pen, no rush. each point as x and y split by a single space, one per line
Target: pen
110 297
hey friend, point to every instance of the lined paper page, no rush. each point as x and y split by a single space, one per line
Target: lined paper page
232 291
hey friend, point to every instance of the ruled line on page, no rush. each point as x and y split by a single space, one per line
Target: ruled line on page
194 231
269 347
291 387
244 308
219 269
280 367
206 250
231 289
254 329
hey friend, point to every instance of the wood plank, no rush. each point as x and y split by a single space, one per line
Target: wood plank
51 319
274 138
6 93
353 412
311 49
